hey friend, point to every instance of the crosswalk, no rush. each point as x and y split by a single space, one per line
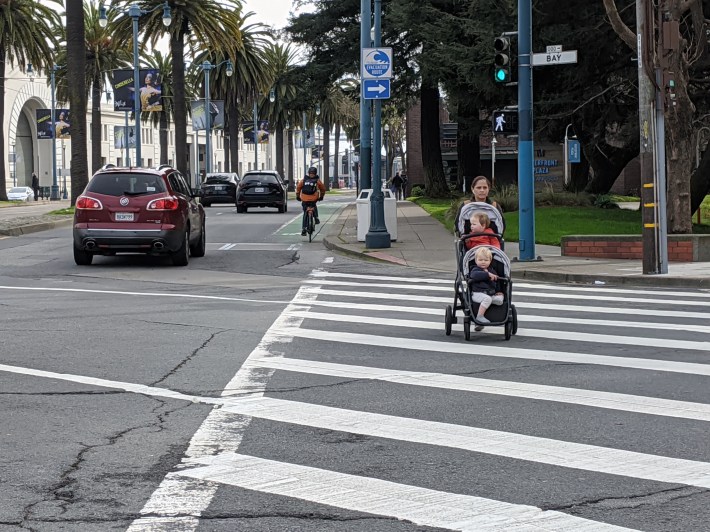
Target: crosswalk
600 404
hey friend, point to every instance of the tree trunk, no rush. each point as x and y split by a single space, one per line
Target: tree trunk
95 123
76 70
434 178
234 138
680 152
468 145
279 136
163 137
336 158
226 146
177 49
291 173
326 155
3 177
608 162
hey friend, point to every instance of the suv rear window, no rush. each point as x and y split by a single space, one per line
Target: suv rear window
262 178
114 184
217 178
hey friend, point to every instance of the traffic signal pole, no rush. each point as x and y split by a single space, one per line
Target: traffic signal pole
526 175
365 105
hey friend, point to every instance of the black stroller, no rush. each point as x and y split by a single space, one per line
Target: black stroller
499 315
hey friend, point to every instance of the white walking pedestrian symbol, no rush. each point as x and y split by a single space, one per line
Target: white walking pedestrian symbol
500 120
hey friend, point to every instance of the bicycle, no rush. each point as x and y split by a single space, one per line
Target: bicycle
310 219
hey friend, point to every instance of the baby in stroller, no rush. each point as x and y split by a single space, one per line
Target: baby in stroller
484 285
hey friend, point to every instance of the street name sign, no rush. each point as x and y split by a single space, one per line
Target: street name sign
376 63
556 58
376 89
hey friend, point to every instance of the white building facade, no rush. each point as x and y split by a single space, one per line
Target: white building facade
26 153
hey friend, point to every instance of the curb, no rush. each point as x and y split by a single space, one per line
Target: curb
35 228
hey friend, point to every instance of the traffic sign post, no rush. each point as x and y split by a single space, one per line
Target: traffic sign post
376 89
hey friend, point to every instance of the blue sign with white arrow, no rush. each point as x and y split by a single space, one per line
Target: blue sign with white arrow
376 89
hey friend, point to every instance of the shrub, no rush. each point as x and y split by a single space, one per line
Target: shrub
417 191
507 197
605 201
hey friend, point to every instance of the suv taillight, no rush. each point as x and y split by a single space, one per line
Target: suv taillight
164 204
87 203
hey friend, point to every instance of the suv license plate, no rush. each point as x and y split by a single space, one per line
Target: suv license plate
124 216
259 189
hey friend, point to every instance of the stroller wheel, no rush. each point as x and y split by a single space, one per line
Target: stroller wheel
448 320
508 329
515 319
467 328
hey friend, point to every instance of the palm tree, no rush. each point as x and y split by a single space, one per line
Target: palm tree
162 119
209 23
336 108
26 37
103 54
281 59
76 69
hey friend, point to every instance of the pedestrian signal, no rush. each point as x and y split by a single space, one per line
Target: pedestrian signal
502 60
505 122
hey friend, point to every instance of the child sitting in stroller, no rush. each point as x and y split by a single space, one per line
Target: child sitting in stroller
481 225
484 284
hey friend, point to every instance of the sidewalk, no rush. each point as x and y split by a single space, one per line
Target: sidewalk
31 217
423 242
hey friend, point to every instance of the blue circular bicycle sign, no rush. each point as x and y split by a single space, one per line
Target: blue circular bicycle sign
377 63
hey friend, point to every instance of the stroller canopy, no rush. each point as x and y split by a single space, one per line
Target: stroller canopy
497 221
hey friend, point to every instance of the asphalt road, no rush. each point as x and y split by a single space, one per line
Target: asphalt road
274 386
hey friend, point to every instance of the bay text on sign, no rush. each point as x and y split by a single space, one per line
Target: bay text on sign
559 58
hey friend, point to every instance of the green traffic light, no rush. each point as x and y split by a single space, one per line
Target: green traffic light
501 75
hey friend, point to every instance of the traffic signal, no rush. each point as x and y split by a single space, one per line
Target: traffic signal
502 60
505 122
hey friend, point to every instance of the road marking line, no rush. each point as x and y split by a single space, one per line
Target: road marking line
179 495
328 260
574 336
487 350
226 247
535 449
421 506
294 247
286 224
520 304
637 404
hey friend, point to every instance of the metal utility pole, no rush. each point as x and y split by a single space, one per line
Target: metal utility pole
650 190
365 105
526 175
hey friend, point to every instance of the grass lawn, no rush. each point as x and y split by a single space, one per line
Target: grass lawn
552 223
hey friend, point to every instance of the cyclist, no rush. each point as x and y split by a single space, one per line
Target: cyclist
310 190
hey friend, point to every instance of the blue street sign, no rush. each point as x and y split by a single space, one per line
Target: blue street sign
573 154
376 89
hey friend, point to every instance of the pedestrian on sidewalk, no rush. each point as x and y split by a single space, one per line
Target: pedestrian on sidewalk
35 185
396 183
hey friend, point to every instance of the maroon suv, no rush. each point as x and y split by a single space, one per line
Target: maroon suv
138 210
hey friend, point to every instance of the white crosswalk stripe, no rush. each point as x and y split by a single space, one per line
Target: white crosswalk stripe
606 329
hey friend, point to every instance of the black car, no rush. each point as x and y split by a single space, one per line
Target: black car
219 187
262 188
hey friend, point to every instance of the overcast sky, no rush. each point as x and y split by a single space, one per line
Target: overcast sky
271 12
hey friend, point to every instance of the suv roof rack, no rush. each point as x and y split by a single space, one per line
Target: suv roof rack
108 166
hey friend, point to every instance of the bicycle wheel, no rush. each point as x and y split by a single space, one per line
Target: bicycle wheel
311 226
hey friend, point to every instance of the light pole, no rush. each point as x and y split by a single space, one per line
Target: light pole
55 186
567 153
65 195
135 12
387 159
377 236
494 143
206 67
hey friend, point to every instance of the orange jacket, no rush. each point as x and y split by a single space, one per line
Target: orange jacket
483 240
310 197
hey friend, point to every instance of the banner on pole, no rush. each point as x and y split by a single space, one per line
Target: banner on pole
197 109
150 90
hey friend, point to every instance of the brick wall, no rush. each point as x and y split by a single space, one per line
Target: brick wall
681 248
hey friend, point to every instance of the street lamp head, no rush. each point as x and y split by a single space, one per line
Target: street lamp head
272 95
103 19
317 109
167 18
230 69
387 128
30 72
